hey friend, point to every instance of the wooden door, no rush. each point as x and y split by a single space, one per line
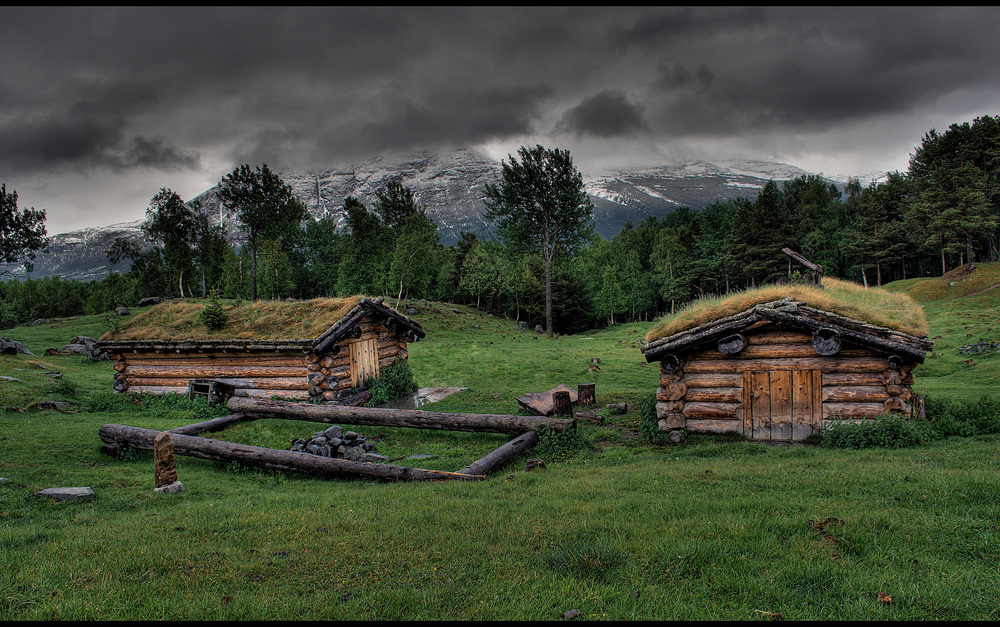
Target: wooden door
782 404
364 361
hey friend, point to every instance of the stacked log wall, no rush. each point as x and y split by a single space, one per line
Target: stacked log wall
706 393
254 373
330 372
286 374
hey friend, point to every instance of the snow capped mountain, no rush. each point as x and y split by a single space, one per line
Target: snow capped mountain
82 254
452 187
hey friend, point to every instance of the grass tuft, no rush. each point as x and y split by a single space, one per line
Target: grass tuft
260 320
877 306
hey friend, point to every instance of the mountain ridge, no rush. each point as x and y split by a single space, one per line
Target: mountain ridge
452 187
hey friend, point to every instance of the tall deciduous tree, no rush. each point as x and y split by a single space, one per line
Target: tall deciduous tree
366 254
174 224
412 259
394 204
265 206
540 205
22 233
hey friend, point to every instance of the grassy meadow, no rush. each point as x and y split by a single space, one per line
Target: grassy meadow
614 527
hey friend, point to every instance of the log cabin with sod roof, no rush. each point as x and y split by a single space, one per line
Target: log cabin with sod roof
320 349
780 363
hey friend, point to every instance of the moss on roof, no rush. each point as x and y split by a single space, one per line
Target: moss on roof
262 320
872 305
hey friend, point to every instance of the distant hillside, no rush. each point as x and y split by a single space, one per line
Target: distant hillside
452 186
957 283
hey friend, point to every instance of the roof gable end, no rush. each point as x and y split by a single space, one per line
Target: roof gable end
794 314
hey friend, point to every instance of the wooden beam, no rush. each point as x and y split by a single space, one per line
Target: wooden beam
384 417
815 267
272 459
215 424
502 455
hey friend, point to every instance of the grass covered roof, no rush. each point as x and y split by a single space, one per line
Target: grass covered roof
893 310
261 320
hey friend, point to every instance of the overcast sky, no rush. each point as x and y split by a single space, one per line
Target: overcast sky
101 107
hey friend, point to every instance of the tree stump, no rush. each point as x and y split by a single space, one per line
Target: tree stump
561 404
585 394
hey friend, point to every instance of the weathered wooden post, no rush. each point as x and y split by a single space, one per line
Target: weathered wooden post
585 393
817 270
164 467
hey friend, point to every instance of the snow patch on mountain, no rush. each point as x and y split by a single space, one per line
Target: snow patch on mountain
452 187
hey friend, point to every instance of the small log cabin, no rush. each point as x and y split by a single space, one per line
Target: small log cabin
324 349
781 371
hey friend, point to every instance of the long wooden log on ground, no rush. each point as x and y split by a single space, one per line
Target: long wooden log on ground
272 459
384 417
502 455
215 424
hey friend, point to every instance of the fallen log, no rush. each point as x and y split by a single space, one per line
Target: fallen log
384 417
272 459
215 424
502 455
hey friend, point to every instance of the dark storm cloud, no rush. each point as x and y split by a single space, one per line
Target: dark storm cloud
606 114
678 76
811 70
90 132
651 29
186 90
455 118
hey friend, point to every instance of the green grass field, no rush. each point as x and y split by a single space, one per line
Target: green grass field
619 529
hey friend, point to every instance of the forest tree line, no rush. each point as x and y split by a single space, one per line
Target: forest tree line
943 212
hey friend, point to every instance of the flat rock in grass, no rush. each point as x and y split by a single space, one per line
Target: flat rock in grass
67 494
421 456
169 488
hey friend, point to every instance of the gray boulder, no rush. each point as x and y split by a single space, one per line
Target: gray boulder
334 433
86 346
12 347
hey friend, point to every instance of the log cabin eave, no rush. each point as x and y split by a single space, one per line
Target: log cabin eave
793 315
212 346
368 307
